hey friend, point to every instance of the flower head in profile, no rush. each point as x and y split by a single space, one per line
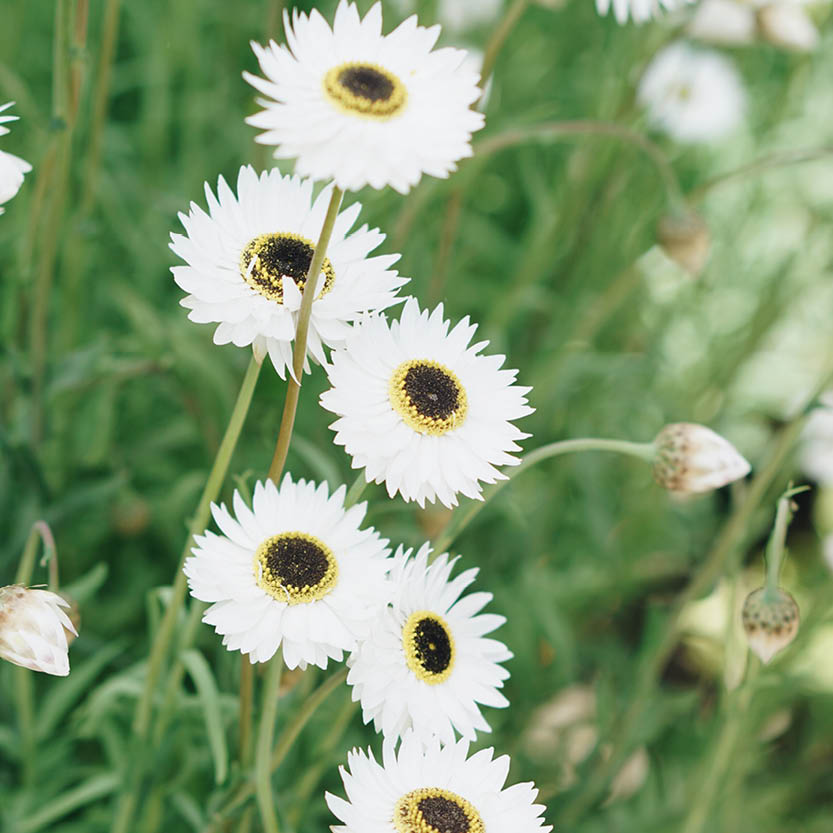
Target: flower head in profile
691 458
693 95
295 570
639 11
427 663
248 258
33 629
438 788
12 168
770 621
421 410
362 108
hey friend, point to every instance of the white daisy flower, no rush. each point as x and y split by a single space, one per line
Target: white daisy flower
248 259
295 570
420 409
437 789
639 11
693 95
33 629
362 108
426 663
816 446
12 168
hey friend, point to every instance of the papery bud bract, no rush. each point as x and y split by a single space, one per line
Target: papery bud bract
33 629
789 26
691 458
686 240
770 624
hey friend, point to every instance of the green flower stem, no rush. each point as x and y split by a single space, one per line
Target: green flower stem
247 679
356 490
263 754
728 542
123 818
498 39
775 549
288 737
299 352
462 518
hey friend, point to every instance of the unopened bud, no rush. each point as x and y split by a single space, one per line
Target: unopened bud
724 22
691 458
787 25
686 240
33 628
770 623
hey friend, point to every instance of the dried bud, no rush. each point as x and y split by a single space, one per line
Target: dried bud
769 625
33 629
692 458
787 25
686 240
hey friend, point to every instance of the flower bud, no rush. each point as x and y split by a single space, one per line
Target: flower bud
770 625
32 629
692 458
686 240
787 25
724 22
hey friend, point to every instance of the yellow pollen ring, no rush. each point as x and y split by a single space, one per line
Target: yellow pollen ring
413 415
309 568
365 89
259 269
435 810
428 645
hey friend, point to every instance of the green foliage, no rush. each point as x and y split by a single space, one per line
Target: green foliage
554 255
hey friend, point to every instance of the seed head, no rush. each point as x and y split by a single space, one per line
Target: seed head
686 240
770 624
692 458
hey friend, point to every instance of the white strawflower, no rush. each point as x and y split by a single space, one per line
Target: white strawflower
639 11
724 22
33 629
248 258
692 458
422 410
426 663
693 95
362 108
816 447
468 14
294 571
437 789
12 168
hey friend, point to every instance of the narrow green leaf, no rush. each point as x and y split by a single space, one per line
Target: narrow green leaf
203 679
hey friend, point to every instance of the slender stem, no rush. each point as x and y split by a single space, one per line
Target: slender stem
449 232
247 678
141 722
25 697
26 565
461 519
263 755
775 548
583 127
727 542
356 490
498 38
299 353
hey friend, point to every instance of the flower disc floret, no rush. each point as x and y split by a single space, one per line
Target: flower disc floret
295 568
429 646
366 89
428 396
435 810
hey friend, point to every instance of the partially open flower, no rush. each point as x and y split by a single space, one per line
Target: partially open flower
691 458
770 623
33 629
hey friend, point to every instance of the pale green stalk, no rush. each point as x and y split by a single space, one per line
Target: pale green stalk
775 549
263 754
356 490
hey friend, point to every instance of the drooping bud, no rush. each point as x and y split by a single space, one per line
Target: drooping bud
691 458
770 623
686 240
33 629
789 26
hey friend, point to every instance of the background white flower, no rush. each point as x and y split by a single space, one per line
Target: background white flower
248 258
816 447
33 629
694 95
421 410
416 785
294 570
426 663
362 108
639 11
12 168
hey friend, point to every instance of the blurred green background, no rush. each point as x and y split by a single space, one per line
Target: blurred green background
112 405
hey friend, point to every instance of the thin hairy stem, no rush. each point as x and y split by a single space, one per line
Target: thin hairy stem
263 754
